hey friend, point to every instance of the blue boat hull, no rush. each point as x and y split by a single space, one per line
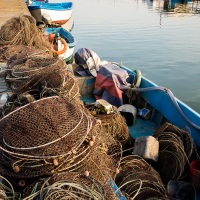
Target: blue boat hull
164 107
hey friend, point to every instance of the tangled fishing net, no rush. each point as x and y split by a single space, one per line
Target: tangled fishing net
37 76
138 180
114 124
22 30
68 185
24 74
15 52
52 135
177 146
38 138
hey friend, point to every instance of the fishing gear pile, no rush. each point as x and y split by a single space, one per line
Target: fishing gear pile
177 146
113 123
32 75
138 180
45 129
22 30
51 135
69 185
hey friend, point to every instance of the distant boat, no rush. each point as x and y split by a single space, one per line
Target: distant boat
65 42
50 13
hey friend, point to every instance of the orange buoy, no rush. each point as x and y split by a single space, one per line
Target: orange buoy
64 48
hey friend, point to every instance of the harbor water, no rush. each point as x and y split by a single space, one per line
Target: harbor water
161 38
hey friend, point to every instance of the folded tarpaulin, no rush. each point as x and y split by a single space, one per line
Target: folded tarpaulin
111 83
88 62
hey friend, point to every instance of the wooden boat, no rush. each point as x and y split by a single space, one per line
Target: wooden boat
160 103
51 13
67 54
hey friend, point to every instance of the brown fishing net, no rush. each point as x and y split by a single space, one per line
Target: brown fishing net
15 52
138 180
39 136
103 161
27 73
36 76
52 135
69 186
177 146
114 124
22 30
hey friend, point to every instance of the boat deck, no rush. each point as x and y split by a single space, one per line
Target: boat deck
12 8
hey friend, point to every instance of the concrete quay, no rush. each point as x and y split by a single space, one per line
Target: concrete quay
12 8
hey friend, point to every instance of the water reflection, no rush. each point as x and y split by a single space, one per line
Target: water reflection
175 6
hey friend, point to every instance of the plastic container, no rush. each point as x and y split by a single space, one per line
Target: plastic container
195 174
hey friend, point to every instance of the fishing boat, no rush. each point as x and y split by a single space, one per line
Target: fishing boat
51 13
155 106
65 42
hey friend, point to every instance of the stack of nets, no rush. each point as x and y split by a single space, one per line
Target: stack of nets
43 137
52 135
22 30
114 125
29 72
139 181
36 76
68 185
176 149
15 52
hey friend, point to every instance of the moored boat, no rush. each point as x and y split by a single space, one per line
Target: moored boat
64 50
156 107
51 13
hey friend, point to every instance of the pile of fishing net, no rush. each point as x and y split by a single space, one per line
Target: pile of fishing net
22 30
69 185
43 136
139 181
113 124
176 146
32 75
19 52
52 135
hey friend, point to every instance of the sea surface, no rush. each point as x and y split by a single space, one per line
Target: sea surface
161 38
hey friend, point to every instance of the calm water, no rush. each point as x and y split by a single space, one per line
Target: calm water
147 35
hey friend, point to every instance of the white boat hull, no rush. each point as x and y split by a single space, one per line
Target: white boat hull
56 16
67 55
